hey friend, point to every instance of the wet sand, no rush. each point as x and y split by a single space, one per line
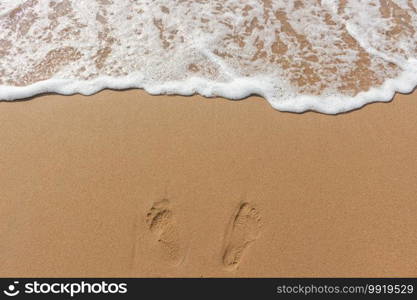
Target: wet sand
128 184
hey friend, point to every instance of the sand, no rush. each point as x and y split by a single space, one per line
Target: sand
128 184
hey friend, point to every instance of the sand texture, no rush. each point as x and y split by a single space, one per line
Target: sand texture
128 184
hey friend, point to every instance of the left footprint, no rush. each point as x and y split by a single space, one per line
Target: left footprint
162 224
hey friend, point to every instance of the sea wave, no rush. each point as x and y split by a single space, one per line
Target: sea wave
324 55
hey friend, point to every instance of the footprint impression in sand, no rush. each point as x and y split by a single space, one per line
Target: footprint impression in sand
162 224
243 231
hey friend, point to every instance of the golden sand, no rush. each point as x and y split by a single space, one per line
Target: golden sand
128 184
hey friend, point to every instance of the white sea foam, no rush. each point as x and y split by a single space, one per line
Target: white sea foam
324 55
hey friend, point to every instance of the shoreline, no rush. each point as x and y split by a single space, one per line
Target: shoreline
332 104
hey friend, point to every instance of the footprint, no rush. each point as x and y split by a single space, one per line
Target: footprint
244 230
162 224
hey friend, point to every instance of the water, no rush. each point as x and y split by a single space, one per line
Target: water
323 55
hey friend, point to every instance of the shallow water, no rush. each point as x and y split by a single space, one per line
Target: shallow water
324 55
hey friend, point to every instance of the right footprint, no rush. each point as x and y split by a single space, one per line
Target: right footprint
244 230
162 224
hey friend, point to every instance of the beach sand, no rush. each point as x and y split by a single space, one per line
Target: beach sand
129 184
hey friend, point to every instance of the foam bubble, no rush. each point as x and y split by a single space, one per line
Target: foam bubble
328 56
